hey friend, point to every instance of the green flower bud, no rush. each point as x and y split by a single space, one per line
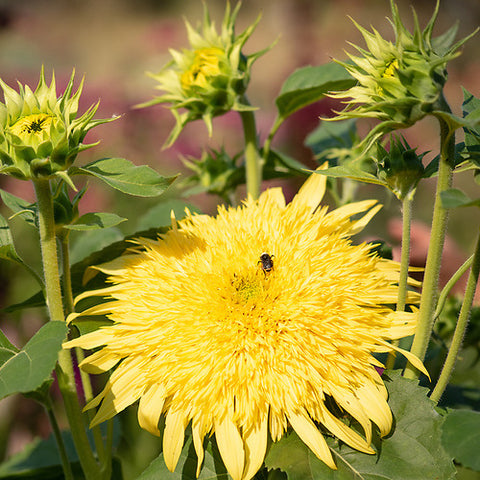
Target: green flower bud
40 135
398 83
209 78
400 168
215 172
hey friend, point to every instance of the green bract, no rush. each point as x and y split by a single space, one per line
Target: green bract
209 78
401 168
398 83
40 135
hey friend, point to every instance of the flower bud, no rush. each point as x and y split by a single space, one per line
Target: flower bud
209 78
40 135
398 83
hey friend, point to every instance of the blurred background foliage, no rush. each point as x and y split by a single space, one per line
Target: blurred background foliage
114 42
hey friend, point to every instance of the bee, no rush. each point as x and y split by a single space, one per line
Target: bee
267 262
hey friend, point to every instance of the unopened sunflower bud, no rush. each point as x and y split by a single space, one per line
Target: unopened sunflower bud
40 135
400 168
398 83
210 78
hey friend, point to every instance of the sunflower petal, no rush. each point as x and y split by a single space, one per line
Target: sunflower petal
100 362
198 435
173 438
312 191
255 448
150 408
344 433
376 407
230 445
312 437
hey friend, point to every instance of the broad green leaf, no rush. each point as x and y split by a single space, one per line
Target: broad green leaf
7 349
91 241
453 198
20 207
123 175
413 450
461 437
159 214
33 364
95 221
39 460
186 467
8 251
330 135
7 248
101 253
309 84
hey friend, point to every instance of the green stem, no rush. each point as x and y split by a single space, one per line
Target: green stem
67 468
404 263
64 369
449 285
268 141
461 327
434 256
64 239
253 166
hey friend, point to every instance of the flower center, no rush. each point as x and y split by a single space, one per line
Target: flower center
205 65
390 70
32 126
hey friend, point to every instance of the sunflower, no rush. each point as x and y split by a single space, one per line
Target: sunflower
246 323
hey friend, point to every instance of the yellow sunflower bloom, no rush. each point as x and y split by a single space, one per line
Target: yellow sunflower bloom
247 323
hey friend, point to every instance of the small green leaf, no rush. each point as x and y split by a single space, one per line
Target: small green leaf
123 175
309 84
453 198
350 171
7 248
95 221
20 207
461 437
159 215
330 135
32 365
7 349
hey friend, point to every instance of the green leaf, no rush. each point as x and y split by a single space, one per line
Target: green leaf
453 198
91 241
33 364
413 450
39 460
330 135
7 248
159 215
8 251
309 84
95 221
461 437
350 171
7 349
186 467
20 207
123 175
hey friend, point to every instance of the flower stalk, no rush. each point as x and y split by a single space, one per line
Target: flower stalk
253 167
460 328
404 262
434 256
64 242
64 369
67 468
